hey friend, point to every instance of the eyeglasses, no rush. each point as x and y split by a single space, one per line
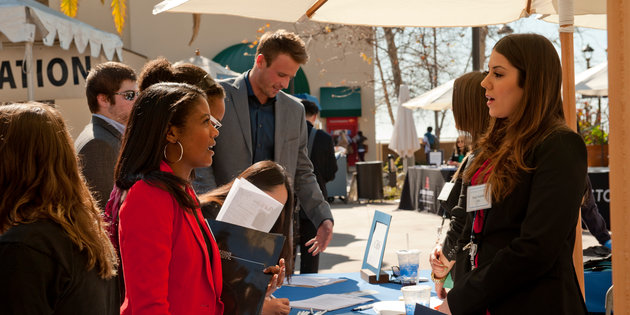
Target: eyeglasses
215 122
129 94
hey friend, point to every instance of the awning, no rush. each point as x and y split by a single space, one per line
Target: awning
341 101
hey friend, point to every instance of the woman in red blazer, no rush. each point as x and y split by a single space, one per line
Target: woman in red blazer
171 262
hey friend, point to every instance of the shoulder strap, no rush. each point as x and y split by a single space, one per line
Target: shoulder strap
311 140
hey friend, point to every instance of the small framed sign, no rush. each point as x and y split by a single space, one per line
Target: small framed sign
436 158
375 249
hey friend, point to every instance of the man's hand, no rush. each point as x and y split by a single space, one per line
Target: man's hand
322 239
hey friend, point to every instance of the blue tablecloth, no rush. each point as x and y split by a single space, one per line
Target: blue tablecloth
387 291
596 283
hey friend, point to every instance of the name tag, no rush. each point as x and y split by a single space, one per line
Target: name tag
446 191
477 198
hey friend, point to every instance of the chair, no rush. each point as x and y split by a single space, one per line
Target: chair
609 301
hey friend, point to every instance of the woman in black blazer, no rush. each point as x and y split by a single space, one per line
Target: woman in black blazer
534 168
55 255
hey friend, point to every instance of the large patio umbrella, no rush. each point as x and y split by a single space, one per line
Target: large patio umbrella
404 139
27 21
429 13
597 21
437 99
594 81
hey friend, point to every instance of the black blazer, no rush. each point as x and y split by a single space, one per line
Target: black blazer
525 254
43 272
322 157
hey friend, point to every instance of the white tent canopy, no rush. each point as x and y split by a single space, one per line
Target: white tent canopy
594 81
27 21
437 99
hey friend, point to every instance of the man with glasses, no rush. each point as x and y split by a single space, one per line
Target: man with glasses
110 90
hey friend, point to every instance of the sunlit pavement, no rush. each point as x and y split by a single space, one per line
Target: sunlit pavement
352 223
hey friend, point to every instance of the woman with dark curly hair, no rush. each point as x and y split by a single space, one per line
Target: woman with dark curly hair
170 259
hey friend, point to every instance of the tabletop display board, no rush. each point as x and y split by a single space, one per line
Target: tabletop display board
375 249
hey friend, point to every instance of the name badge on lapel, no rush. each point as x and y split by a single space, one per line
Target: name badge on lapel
446 191
477 198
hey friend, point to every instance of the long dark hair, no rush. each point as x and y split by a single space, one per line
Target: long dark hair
40 179
265 175
539 113
159 106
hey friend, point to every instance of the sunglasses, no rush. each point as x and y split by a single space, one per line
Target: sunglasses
128 95
215 123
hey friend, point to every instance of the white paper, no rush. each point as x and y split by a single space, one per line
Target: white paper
246 205
477 198
377 245
446 191
329 302
310 282
435 157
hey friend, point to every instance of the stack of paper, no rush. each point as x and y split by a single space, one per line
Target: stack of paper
329 302
310 282
248 206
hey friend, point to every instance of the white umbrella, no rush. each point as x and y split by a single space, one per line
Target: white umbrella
27 21
404 138
431 13
594 81
215 70
437 99
597 21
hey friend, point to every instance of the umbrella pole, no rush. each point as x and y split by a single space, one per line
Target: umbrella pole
619 94
405 164
568 96
28 56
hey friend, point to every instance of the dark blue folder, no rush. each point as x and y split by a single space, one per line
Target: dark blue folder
245 253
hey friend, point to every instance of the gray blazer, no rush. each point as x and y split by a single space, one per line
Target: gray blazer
233 151
97 147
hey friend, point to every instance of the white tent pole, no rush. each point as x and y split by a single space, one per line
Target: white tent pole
28 59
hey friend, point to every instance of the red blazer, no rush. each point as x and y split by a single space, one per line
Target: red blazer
165 259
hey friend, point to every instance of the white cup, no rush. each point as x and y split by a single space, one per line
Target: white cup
416 294
408 263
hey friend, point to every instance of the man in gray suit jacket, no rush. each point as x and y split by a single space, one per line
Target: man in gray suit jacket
110 89
263 123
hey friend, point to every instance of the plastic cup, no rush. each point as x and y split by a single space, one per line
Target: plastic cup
416 294
408 262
